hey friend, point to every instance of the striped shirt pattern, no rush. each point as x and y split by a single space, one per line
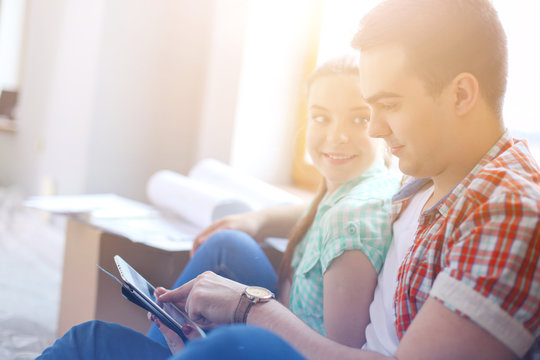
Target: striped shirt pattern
477 250
354 217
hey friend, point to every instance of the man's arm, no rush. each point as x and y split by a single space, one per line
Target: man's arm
278 319
439 333
436 333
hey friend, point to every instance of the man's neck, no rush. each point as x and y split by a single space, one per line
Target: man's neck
467 155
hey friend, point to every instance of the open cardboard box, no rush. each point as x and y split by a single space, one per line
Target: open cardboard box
87 293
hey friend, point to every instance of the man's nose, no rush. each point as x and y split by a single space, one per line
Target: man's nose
378 126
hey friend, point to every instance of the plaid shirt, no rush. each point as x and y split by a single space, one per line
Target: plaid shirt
355 216
477 250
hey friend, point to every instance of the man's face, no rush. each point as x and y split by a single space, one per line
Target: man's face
415 125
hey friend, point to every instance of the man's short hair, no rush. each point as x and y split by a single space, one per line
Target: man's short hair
443 38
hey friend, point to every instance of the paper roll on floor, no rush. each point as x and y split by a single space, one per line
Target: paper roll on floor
257 193
198 202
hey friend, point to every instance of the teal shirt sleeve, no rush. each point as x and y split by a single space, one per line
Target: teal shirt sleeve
357 223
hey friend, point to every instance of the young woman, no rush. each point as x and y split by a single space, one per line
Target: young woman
337 246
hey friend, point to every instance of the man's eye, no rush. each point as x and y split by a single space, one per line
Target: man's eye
386 106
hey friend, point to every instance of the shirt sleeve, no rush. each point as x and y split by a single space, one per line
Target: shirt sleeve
491 270
355 224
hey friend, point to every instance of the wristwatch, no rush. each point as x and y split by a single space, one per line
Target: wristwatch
251 295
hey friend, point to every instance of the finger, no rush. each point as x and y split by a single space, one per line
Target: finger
190 332
160 291
196 315
174 341
177 295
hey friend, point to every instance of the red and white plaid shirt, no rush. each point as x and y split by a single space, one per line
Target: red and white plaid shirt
477 250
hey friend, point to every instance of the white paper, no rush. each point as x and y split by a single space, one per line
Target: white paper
159 232
184 205
279 244
99 205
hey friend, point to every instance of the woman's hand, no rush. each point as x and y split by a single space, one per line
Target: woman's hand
276 221
249 223
174 341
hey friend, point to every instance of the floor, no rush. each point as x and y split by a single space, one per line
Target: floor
31 251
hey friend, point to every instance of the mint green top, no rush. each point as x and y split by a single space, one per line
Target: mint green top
355 217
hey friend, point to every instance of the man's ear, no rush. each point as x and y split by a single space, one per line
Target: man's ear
466 92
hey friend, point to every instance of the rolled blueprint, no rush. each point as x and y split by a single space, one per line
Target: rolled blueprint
197 202
257 193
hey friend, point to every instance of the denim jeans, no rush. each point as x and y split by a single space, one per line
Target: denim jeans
231 254
101 340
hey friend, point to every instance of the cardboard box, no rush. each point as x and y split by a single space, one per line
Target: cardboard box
87 293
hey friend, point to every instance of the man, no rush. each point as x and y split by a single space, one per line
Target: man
467 226
434 74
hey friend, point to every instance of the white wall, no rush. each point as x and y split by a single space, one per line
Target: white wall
40 52
113 90
149 93
225 61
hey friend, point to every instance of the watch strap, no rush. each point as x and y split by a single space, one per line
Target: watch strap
242 309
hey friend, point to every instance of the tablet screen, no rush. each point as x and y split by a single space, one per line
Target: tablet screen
143 287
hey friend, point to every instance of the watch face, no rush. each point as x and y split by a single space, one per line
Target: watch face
258 292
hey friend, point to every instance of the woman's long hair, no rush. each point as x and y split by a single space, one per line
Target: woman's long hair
297 234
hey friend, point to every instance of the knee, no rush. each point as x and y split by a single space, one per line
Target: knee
229 239
240 342
92 329
86 327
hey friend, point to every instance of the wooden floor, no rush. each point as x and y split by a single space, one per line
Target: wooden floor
31 250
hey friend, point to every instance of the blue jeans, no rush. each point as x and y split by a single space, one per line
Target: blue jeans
101 340
231 254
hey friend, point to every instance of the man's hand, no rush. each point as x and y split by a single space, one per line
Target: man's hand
209 299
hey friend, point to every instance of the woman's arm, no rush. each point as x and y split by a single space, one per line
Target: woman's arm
271 222
349 284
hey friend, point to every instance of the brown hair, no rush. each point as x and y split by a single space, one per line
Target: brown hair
297 234
443 38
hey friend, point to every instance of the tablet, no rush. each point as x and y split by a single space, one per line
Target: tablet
139 291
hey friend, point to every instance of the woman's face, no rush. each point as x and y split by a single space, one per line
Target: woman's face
337 138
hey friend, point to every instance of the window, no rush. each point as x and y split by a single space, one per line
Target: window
11 34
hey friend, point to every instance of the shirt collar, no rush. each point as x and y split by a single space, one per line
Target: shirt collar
443 206
504 142
333 198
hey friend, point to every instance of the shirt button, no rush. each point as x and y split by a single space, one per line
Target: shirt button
351 228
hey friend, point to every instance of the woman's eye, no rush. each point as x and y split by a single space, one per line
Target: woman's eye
361 120
319 119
